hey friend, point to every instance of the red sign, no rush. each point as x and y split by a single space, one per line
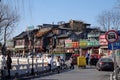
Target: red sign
102 40
111 36
75 44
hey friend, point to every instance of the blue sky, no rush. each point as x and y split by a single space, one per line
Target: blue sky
38 12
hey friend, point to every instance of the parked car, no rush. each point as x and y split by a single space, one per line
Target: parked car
94 59
105 64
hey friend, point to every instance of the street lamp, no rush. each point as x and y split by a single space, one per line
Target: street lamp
31 39
32 51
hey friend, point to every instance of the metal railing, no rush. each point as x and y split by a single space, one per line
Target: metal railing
22 66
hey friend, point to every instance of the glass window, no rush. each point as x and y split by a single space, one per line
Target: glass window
106 60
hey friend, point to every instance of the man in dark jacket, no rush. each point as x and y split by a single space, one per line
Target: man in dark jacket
8 62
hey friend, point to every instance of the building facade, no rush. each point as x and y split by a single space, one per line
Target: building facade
64 38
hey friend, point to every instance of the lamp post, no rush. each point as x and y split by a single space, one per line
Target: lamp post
33 51
30 33
112 36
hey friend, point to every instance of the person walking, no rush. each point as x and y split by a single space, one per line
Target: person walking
9 62
50 62
87 58
71 63
2 66
58 64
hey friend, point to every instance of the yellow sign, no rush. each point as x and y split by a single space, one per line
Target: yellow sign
83 43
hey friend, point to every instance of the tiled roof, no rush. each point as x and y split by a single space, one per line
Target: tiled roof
63 35
65 28
50 35
42 32
23 34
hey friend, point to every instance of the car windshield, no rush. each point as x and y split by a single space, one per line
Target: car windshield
106 60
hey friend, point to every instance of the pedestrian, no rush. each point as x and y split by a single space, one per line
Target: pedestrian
87 58
2 66
50 63
71 63
58 64
9 62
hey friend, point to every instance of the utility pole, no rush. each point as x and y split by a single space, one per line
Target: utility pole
112 37
33 52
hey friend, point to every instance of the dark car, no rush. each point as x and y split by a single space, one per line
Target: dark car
105 64
94 59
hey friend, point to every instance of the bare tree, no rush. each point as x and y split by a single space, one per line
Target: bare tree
8 20
117 5
109 20
115 19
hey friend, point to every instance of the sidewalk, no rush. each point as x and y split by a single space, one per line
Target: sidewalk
89 70
36 75
47 73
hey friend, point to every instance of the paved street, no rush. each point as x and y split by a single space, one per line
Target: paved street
90 73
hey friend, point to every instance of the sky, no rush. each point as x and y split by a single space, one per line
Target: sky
38 12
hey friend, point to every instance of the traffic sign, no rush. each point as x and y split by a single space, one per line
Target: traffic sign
111 36
116 45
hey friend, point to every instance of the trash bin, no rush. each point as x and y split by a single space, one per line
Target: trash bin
81 61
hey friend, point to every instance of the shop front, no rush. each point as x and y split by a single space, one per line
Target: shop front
103 46
83 47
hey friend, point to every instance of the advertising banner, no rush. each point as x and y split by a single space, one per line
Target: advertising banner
75 44
83 43
93 43
102 40
68 43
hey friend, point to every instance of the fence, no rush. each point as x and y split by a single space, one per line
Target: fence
22 66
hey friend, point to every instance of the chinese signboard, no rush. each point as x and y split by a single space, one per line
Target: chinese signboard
93 43
68 43
116 45
102 40
83 43
75 44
